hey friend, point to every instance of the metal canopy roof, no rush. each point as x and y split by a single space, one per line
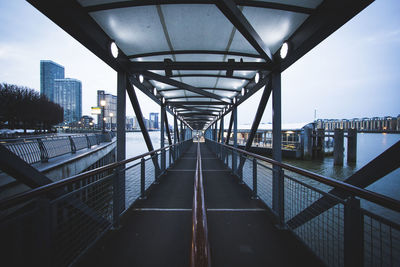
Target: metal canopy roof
199 54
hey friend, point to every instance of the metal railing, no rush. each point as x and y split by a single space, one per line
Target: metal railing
33 150
54 224
342 231
200 249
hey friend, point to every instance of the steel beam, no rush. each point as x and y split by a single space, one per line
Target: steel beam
203 88
139 117
228 136
167 129
236 17
122 80
182 135
137 66
136 3
197 103
162 137
212 76
166 80
188 52
176 130
277 174
222 129
260 111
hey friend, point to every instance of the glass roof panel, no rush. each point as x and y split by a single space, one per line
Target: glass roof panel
240 44
207 82
160 85
212 72
152 58
177 93
231 83
199 57
227 94
202 99
273 26
134 29
302 3
244 73
194 26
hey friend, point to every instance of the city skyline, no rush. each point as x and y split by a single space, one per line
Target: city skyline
365 83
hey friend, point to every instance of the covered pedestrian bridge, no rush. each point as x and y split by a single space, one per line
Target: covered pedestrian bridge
208 203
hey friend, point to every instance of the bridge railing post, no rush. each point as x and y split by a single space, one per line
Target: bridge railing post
143 178
278 197
254 193
240 170
156 170
44 156
353 233
88 141
72 144
116 198
43 249
233 162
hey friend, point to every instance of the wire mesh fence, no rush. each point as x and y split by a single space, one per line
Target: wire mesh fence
336 228
55 224
381 241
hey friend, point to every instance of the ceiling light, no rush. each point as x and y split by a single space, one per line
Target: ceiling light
243 91
141 78
163 100
257 77
114 49
155 91
284 50
234 100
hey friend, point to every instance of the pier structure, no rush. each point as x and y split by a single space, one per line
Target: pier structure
194 203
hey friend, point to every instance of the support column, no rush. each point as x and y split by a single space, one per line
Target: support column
167 128
215 131
182 136
121 138
338 147
351 145
228 135
222 129
176 130
162 136
235 145
277 177
139 116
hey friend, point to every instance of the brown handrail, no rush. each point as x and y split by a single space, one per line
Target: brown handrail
200 250
382 200
13 200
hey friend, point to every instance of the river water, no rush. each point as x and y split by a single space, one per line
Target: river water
369 145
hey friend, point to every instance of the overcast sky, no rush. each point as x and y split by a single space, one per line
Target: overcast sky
354 73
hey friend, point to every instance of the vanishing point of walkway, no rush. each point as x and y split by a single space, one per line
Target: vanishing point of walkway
157 231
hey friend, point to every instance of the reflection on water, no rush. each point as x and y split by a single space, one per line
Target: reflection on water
369 146
135 144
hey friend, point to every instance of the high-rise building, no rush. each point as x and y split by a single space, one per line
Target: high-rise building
110 109
68 94
49 71
154 120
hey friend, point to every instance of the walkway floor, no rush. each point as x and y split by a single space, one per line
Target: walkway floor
157 231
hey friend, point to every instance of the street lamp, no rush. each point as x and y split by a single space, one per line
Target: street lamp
103 104
111 116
